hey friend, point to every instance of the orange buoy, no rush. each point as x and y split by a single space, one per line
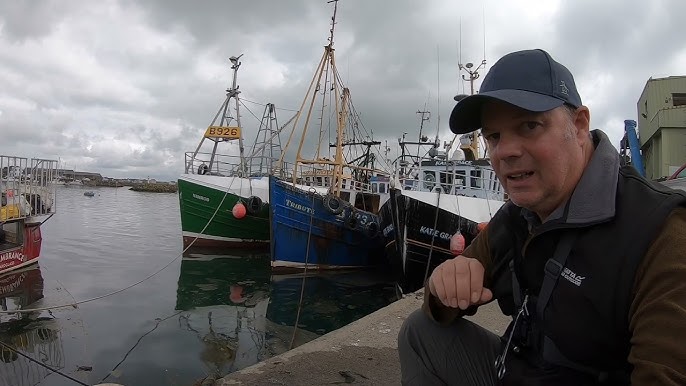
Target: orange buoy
238 210
457 244
236 294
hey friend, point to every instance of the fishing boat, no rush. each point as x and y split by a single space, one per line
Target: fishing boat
325 215
27 201
437 206
223 193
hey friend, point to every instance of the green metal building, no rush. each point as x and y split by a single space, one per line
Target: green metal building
662 125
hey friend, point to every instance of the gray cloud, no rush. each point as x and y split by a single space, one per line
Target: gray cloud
125 88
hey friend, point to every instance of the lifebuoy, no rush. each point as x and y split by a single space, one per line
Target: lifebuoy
203 169
254 204
333 204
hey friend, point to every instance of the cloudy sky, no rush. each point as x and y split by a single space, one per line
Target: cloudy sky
124 88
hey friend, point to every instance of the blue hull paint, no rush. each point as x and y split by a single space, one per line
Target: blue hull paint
333 243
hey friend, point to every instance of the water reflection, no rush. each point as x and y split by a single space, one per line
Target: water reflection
37 336
226 298
243 314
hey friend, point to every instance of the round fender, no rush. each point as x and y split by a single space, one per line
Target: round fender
333 204
254 204
203 169
372 228
350 219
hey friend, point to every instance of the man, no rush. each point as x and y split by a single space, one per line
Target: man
588 257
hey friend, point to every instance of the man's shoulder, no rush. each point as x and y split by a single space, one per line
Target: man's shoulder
652 198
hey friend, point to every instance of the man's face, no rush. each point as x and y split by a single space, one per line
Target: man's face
538 157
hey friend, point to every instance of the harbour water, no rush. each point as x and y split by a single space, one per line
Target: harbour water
205 313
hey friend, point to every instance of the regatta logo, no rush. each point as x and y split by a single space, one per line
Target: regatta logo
434 232
572 277
299 207
202 198
387 230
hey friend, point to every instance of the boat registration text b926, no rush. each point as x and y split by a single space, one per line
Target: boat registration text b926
228 132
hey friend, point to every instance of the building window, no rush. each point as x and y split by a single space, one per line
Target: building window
679 99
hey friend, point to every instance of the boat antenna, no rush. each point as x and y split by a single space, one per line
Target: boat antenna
438 85
333 20
483 20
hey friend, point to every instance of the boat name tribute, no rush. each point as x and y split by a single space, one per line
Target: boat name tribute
299 207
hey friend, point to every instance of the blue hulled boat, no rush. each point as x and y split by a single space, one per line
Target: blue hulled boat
324 212
310 227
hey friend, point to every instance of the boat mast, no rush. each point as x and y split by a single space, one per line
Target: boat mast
233 92
327 62
214 133
338 166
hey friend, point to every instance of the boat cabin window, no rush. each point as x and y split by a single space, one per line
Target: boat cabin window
446 181
476 178
382 188
375 187
460 176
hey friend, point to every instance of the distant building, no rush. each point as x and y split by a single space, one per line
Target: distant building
662 125
87 176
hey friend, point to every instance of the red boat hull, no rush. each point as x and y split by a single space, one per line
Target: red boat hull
25 254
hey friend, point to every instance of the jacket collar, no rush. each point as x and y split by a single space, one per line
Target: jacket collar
593 199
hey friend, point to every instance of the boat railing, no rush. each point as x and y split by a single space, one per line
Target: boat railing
321 175
474 182
230 165
27 188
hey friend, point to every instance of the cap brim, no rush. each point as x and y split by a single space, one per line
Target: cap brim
466 115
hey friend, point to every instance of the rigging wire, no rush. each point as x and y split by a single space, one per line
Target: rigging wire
136 344
262 104
302 286
251 113
49 368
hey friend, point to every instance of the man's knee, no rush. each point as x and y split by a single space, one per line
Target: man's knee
415 323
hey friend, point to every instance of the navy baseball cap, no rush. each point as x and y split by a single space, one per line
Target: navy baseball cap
529 79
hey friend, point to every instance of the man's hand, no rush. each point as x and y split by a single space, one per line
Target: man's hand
459 282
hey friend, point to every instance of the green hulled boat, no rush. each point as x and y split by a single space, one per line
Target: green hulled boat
224 196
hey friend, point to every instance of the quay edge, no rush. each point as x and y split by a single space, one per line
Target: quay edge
364 352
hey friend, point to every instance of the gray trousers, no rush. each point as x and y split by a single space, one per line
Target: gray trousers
462 353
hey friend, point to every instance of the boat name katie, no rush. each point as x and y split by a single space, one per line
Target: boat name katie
434 232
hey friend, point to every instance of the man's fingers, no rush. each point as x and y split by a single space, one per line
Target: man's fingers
459 283
448 277
476 280
486 296
462 282
439 286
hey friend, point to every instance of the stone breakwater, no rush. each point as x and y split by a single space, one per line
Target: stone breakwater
154 188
